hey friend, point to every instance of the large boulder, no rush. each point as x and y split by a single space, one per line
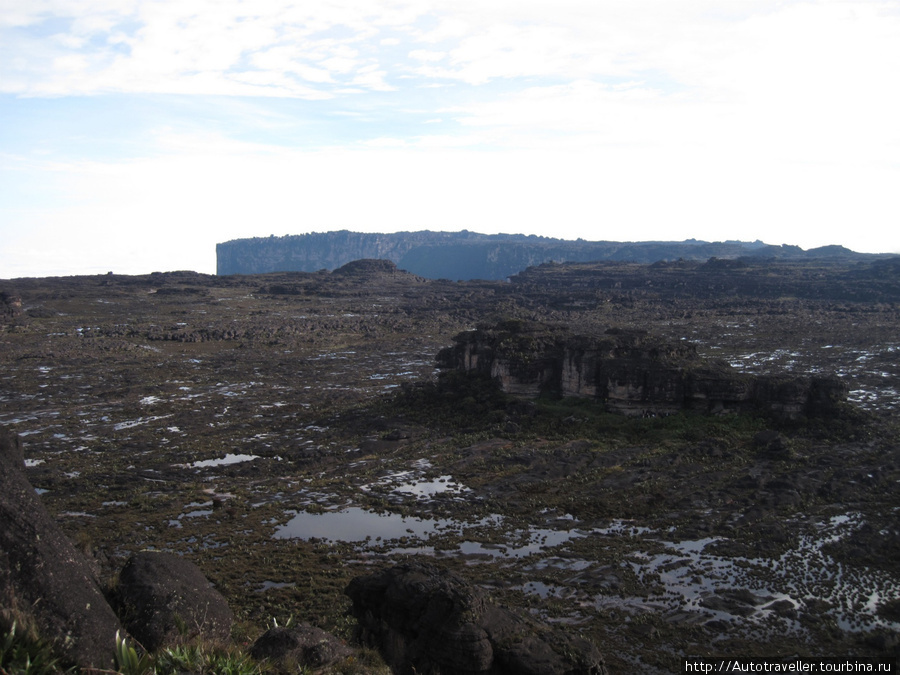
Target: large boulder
428 620
165 600
43 577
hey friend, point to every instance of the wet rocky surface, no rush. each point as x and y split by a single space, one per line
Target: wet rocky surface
288 433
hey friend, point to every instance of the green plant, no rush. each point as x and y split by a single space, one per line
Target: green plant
184 658
23 652
232 663
195 659
127 660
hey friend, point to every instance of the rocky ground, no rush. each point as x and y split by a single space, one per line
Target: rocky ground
288 433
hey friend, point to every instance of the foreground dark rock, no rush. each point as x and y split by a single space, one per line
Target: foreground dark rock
632 372
165 600
427 620
304 645
43 577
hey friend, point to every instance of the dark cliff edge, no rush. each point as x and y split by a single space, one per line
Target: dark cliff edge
470 255
631 372
875 279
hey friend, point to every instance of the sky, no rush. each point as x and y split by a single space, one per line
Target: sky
136 134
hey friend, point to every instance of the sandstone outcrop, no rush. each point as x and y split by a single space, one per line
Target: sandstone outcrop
428 620
10 307
631 372
164 600
43 576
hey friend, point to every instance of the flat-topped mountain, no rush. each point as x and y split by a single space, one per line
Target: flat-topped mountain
470 255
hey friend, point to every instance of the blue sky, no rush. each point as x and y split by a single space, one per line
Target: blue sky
135 135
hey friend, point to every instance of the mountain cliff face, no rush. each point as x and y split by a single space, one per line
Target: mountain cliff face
467 255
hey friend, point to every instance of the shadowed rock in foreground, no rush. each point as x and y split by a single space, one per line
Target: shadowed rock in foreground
428 620
305 645
165 599
43 577
632 372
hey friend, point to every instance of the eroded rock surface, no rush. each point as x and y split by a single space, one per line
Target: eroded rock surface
42 575
631 371
427 620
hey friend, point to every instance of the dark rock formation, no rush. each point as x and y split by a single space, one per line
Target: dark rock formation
367 269
772 443
857 278
10 307
427 620
470 255
43 577
305 645
164 599
630 371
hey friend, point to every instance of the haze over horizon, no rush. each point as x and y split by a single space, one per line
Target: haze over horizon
136 135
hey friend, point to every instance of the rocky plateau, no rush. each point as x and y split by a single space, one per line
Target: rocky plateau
298 438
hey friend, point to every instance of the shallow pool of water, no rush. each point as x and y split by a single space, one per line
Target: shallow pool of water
355 525
223 461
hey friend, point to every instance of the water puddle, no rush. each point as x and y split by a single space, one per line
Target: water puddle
196 514
425 489
222 461
357 525
269 585
373 530
130 424
410 483
532 541
697 580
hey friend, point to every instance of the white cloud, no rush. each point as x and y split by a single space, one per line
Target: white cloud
772 119
170 43
427 55
733 49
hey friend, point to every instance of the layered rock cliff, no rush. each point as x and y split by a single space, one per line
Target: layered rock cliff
632 372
